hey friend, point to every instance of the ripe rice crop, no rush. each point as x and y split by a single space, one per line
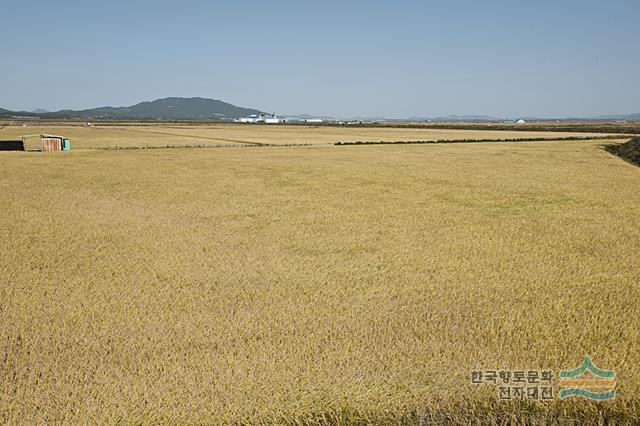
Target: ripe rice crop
152 135
314 285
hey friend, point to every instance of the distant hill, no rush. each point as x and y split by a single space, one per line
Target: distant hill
467 118
211 109
160 109
620 117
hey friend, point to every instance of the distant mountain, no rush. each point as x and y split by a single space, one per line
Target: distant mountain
212 109
409 119
160 109
171 109
619 117
531 118
467 118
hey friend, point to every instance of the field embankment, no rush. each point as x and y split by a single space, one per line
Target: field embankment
441 141
630 150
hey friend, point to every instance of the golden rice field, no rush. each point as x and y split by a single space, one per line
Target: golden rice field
324 285
181 135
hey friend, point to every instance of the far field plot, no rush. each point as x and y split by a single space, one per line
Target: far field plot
181 135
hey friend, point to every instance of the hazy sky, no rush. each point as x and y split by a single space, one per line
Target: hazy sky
341 58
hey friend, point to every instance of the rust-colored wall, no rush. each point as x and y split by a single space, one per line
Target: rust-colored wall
51 144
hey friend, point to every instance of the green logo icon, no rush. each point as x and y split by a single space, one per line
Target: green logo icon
588 381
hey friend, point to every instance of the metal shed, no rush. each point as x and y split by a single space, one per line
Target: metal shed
11 145
52 142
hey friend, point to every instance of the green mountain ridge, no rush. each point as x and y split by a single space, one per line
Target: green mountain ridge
173 108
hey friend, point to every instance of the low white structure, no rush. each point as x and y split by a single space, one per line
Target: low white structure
253 118
274 120
261 118
520 121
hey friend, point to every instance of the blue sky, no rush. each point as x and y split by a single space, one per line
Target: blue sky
341 58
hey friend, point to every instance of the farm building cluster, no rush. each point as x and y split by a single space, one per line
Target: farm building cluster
47 143
274 119
261 118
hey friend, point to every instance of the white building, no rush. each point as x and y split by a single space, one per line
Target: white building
274 120
253 118
261 118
